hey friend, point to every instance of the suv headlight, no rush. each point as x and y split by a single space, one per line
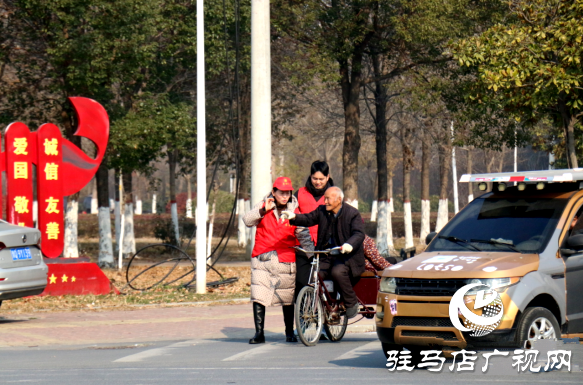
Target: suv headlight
389 285
498 284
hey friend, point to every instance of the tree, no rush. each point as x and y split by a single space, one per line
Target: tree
531 67
53 50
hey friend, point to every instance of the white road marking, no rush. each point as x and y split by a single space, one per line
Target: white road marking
254 352
156 352
371 347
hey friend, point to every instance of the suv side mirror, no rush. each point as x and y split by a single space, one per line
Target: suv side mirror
430 237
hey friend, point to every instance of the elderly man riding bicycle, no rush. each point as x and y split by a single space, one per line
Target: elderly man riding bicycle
339 225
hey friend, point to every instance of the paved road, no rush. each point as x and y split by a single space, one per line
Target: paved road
203 345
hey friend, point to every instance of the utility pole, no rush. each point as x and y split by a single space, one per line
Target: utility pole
261 181
456 204
200 153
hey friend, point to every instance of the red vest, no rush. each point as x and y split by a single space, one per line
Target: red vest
307 204
276 236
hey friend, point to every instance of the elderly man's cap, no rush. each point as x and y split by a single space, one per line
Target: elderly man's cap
283 183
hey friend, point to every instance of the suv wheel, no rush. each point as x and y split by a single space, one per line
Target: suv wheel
537 323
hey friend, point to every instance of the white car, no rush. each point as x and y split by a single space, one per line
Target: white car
23 271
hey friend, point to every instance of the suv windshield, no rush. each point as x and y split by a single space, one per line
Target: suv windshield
501 224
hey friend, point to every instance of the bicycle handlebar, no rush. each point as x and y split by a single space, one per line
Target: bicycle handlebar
327 251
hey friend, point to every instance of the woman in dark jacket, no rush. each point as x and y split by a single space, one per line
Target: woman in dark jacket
309 198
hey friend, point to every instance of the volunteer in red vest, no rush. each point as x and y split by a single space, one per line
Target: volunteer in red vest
273 262
309 198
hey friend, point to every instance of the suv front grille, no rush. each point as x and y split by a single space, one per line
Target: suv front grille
429 287
421 321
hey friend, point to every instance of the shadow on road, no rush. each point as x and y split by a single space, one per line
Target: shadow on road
9 321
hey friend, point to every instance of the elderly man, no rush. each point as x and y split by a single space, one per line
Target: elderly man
338 225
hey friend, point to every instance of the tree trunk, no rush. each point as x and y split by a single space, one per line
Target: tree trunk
382 207
138 196
188 197
129 240
71 219
425 198
350 84
105 258
244 170
117 212
212 219
568 122
172 160
94 204
470 185
71 249
407 164
444 163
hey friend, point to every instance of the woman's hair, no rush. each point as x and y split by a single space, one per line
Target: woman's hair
320 166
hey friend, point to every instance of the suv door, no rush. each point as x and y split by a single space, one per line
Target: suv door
574 274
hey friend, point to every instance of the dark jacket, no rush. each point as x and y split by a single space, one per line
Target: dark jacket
346 228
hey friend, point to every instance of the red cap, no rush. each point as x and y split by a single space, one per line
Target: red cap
283 183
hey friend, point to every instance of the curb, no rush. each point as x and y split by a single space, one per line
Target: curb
174 304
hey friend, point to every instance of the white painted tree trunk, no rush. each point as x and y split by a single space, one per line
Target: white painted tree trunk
425 221
105 258
384 229
154 203
189 208
249 231
174 214
408 225
442 215
470 198
241 228
129 240
210 233
117 216
94 206
138 207
35 212
71 216
111 204
353 203
391 206
373 211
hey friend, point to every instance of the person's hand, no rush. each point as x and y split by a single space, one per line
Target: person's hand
346 248
270 204
288 215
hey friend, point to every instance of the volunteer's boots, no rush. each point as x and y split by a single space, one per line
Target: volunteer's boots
259 317
288 319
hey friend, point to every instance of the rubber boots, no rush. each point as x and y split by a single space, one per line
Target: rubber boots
288 319
259 317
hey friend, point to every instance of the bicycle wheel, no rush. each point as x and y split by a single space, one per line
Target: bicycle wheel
336 332
309 316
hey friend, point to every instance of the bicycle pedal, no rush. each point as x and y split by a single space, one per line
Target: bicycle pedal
334 318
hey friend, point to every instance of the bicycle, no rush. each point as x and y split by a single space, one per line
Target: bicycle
316 307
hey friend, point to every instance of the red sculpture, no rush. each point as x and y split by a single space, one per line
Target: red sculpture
62 169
